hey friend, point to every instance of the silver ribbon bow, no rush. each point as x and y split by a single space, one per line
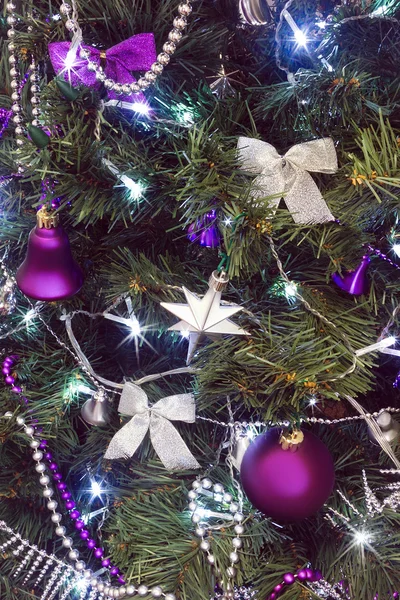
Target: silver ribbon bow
166 440
288 175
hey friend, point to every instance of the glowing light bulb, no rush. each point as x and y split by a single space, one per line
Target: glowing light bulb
135 187
300 38
185 333
396 249
70 59
30 315
135 326
299 35
140 107
84 389
362 537
313 401
96 489
290 290
228 221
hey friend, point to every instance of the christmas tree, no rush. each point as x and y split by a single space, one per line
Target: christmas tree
199 333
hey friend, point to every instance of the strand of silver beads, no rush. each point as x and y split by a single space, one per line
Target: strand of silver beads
18 119
149 78
67 542
219 495
15 74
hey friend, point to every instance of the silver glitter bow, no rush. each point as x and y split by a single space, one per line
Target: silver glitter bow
170 447
288 175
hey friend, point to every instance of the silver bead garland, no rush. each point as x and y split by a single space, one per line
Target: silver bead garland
218 494
149 78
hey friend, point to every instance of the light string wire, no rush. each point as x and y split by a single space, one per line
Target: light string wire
316 313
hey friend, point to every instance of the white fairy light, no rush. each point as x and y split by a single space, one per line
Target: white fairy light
30 315
396 249
185 333
381 345
290 290
135 187
228 221
140 107
96 489
362 537
299 35
135 326
70 60
312 401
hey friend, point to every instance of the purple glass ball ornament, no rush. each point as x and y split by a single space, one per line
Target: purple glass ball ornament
10 380
91 544
121 580
6 370
84 534
98 552
49 272
302 575
354 282
205 231
114 570
69 505
278 588
105 562
289 578
287 485
75 514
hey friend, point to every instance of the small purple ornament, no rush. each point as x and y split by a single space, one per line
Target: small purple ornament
49 272
114 570
84 534
16 389
69 504
354 282
310 574
10 380
98 552
91 544
278 588
79 524
121 580
205 231
105 562
302 575
75 514
285 485
6 370
289 578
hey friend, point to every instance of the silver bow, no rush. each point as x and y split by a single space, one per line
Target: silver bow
288 175
167 442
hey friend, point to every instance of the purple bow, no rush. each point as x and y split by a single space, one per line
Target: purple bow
137 53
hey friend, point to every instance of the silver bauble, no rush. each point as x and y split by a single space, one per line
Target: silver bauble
256 12
95 410
389 427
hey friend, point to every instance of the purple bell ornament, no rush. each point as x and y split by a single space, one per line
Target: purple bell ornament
205 231
49 272
354 282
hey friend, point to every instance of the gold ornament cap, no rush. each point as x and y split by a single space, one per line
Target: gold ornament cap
218 281
46 220
291 440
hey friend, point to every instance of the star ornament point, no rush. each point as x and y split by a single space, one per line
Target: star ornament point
203 317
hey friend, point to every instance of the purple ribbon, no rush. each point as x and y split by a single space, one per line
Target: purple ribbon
137 53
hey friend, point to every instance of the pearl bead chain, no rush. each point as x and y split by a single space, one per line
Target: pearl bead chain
219 495
150 77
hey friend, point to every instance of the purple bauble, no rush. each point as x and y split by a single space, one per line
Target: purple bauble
205 231
49 272
354 282
286 485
